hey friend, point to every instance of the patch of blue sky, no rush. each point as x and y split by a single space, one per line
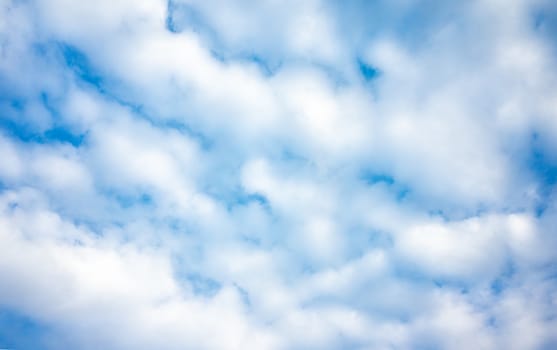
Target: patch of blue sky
416 25
371 178
169 122
128 201
184 17
411 273
177 225
237 197
18 119
80 65
244 295
499 285
251 241
267 67
414 275
543 167
378 239
411 22
181 16
246 198
205 142
87 73
18 331
335 75
289 154
368 71
203 285
452 213
426 342
544 21
23 130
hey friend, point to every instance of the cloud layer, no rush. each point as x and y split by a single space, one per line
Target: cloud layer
278 175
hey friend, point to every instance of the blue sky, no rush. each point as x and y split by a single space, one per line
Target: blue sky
288 174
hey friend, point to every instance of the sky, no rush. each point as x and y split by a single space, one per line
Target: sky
315 174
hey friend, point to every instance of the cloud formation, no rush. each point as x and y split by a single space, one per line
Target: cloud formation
278 175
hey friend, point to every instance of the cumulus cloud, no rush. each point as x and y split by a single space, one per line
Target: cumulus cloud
283 175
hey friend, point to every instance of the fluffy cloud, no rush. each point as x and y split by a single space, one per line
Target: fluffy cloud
281 175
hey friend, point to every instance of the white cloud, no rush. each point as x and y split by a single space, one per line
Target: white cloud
237 183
